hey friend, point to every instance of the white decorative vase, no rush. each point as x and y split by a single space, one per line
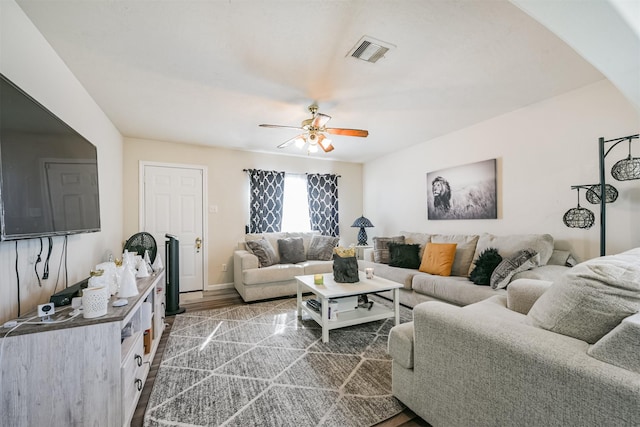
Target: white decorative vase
94 302
128 286
157 264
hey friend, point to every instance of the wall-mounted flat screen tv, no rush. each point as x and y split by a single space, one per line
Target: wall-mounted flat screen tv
48 171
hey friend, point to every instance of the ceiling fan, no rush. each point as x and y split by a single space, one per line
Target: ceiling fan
314 132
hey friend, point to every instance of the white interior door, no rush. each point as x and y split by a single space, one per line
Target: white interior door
172 203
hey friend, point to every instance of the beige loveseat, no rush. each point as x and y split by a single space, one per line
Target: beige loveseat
255 282
457 289
567 358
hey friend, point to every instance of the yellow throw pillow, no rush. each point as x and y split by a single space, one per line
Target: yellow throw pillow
438 258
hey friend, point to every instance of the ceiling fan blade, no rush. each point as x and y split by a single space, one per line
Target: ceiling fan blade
325 143
347 132
320 120
279 126
288 142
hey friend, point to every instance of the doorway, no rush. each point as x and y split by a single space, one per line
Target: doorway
172 200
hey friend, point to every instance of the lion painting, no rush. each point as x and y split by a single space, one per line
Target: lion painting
441 193
463 192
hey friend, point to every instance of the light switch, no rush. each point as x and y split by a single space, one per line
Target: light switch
213 208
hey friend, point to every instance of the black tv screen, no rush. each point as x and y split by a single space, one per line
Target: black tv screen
48 171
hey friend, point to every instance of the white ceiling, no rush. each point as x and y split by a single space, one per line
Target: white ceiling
208 72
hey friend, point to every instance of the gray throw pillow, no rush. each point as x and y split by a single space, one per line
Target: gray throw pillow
381 248
523 260
263 250
291 250
321 247
592 298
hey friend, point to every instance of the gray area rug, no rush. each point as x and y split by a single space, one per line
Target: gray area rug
259 365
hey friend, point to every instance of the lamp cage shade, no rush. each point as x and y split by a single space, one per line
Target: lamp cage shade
593 194
579 218
626 169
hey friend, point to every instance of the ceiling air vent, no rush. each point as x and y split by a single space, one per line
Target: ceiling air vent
369 49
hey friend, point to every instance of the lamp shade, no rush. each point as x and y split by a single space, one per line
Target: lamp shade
362 222
626 169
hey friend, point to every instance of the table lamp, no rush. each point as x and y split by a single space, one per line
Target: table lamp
362 223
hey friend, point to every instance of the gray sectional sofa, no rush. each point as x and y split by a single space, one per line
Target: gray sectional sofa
255 282
540 354
457 289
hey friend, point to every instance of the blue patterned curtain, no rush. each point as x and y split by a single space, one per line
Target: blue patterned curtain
265 205
323 203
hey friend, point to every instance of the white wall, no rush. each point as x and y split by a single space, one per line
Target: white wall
31 63
542 150
228 189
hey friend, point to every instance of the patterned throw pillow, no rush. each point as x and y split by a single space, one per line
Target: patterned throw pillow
291 250
381 248
484 266
263 250
523 260
321 247
404 255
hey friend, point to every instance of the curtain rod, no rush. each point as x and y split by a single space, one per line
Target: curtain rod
306 173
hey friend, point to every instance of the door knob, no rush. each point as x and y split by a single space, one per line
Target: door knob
198 243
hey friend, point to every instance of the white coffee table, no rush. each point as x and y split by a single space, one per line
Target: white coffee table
330 289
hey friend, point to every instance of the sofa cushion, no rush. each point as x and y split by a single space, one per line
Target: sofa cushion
524 260
264 251
465 249
486 263
381 248
404 255
592 298
321 247
404 276
306 237
523 293
547 272
417 238
271 237
438 258
271 274
291 250
509 245
453 289
316 267
621 346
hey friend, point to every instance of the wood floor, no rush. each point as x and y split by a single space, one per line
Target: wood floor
224 298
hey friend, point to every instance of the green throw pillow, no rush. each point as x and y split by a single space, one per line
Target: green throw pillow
404 255
486 262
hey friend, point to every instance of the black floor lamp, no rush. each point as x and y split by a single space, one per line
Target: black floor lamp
623 170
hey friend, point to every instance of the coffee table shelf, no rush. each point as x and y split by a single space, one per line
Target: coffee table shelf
330 289
352 317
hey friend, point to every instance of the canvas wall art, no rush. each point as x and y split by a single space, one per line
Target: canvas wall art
463 192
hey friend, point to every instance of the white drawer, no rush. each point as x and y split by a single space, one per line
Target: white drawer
132 375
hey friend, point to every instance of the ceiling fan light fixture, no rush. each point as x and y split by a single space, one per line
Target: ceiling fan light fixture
313 148
300 141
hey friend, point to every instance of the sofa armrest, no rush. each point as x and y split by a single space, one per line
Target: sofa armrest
523 293
367 255
400 345
474 370
621 346
245 260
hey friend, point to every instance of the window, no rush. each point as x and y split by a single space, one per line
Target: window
295 215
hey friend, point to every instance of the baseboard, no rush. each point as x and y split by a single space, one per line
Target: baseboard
219 286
